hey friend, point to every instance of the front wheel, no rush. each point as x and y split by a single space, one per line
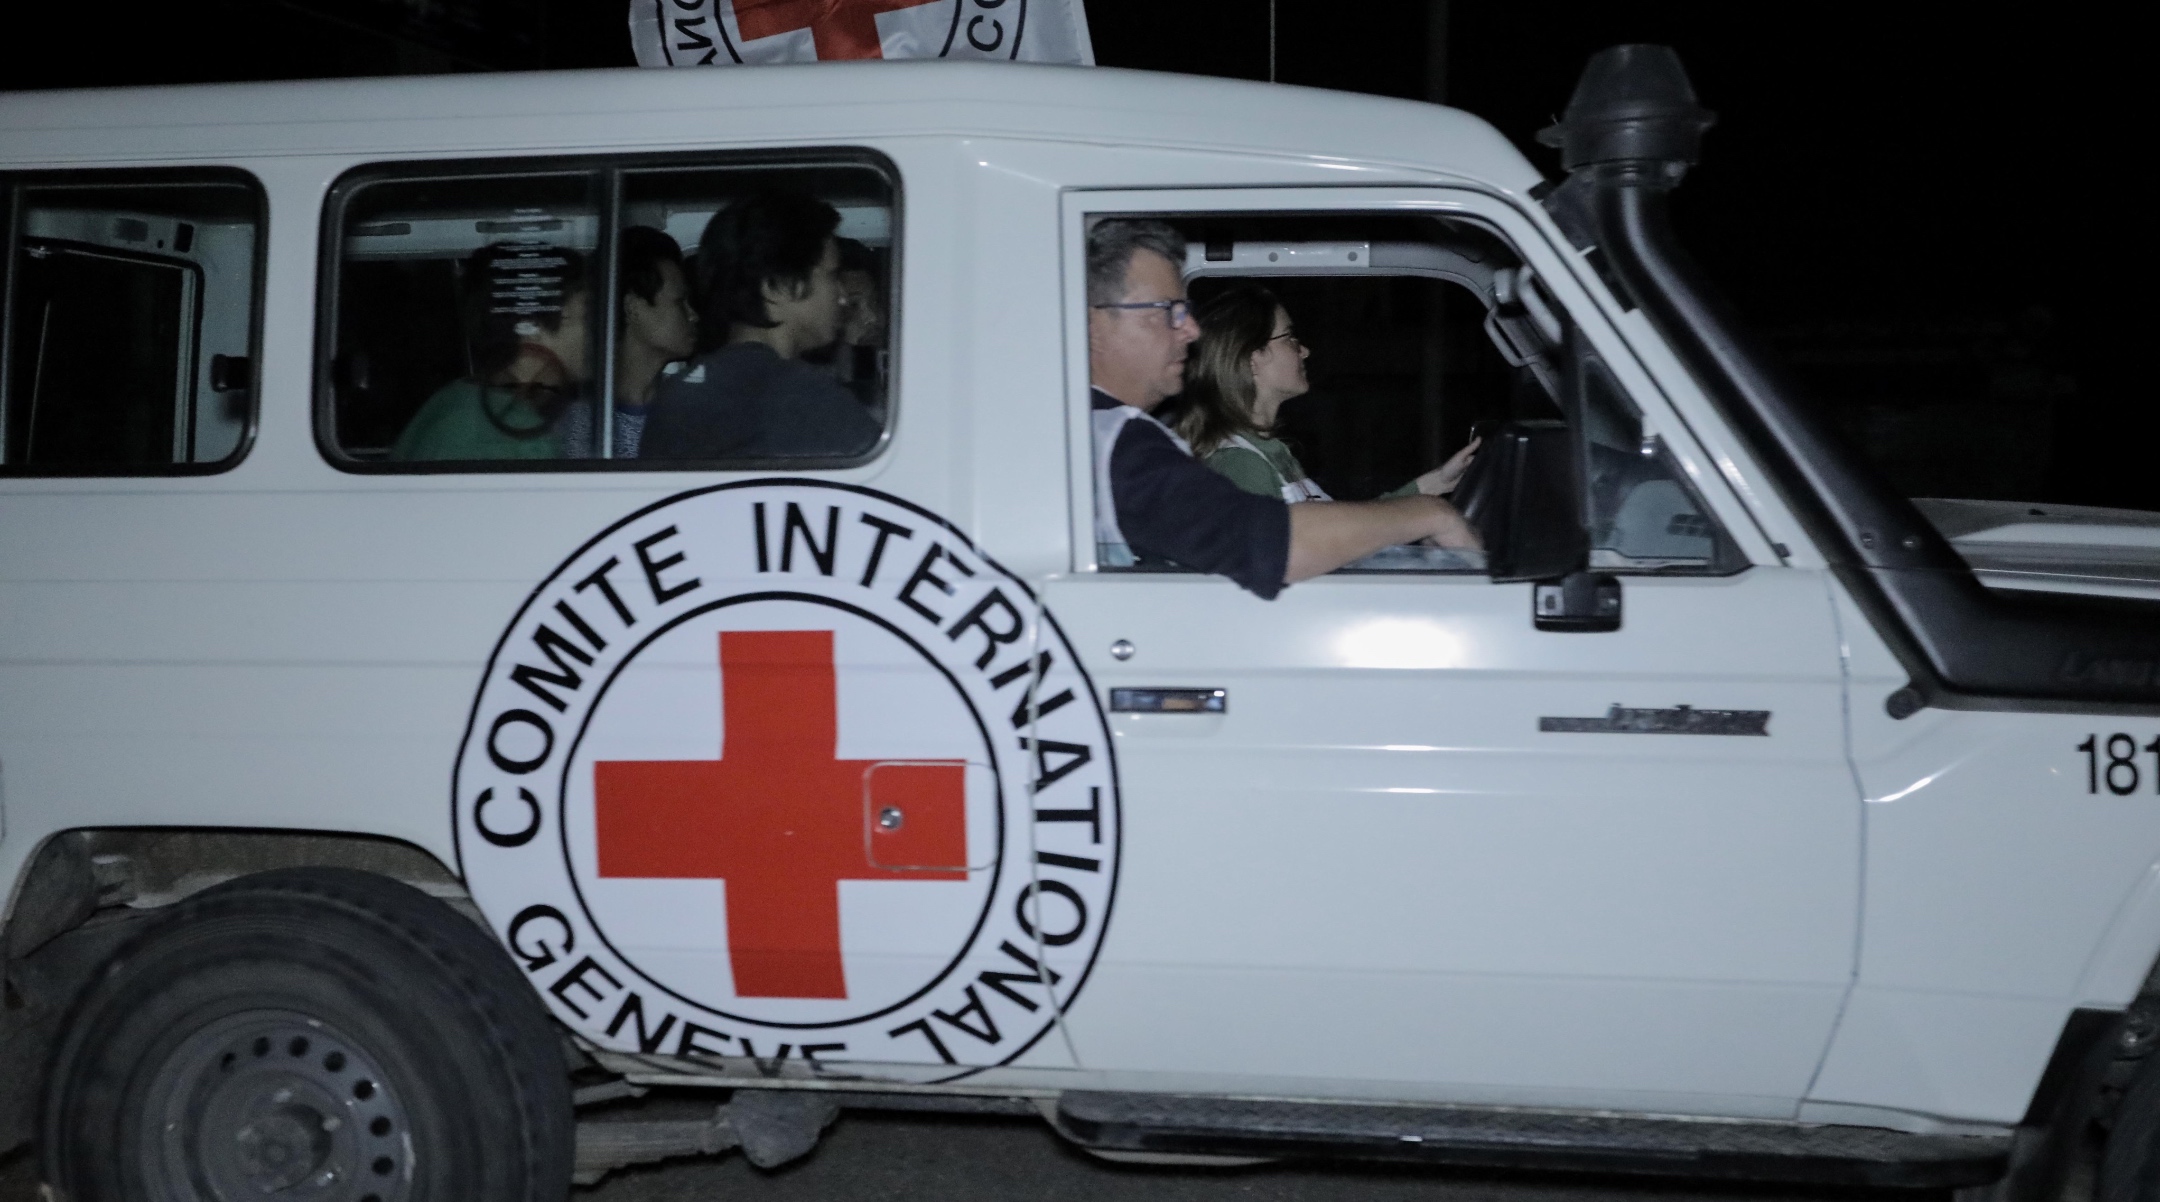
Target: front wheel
317 1034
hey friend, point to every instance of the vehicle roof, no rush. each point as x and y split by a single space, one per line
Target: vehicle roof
512 112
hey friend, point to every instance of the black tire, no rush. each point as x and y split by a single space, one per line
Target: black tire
2130 1160
326 1031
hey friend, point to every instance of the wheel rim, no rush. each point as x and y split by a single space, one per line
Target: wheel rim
274 1104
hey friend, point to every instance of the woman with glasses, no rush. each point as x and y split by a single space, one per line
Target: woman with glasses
1247 362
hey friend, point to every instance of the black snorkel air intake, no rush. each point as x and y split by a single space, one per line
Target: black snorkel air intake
1629 135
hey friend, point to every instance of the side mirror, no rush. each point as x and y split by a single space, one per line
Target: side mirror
1523 493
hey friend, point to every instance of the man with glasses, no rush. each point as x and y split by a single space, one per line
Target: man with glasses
1154 501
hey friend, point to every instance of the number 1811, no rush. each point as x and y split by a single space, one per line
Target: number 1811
2120 773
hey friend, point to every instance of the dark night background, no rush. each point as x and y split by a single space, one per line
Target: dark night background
1924 208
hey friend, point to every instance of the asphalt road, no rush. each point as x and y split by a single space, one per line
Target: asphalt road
884 1157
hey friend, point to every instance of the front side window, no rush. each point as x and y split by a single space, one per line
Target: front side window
129 322
652 315
1350 357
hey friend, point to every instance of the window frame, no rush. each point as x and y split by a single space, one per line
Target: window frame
1705 474
13 185
609 170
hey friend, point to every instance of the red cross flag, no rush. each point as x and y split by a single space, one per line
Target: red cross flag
721 33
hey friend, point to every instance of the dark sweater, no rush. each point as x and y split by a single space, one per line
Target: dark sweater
744 401
1170 506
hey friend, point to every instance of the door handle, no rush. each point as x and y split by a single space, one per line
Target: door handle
1169 701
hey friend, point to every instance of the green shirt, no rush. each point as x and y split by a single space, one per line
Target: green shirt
453 425
1267 467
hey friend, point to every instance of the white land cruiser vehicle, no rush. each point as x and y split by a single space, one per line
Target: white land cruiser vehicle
380 789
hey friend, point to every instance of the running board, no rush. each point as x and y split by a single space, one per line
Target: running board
1541 1139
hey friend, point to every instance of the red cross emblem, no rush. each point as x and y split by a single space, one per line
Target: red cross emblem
841 28
778 817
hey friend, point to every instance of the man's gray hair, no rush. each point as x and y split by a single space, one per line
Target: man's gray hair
1110 246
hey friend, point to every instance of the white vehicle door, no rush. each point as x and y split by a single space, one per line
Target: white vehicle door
1425 848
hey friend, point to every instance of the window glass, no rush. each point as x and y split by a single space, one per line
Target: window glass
128 327
1357 357
631 316
1399 373
1641 513
464 326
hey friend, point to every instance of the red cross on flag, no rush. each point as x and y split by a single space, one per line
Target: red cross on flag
720 33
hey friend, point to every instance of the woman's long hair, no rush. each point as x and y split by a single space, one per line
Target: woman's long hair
1235 324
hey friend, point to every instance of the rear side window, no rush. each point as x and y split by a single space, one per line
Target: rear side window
636 314
127 338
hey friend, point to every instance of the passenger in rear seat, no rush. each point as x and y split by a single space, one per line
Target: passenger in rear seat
768 292
658 327
854 360
524 308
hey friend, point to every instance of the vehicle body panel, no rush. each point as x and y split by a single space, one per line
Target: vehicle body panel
1362 881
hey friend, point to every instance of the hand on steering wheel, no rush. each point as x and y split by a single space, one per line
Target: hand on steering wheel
1442 480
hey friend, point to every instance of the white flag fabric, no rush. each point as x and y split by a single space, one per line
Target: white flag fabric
726 33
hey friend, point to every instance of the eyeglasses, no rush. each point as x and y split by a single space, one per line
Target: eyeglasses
1177 312
1291 335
